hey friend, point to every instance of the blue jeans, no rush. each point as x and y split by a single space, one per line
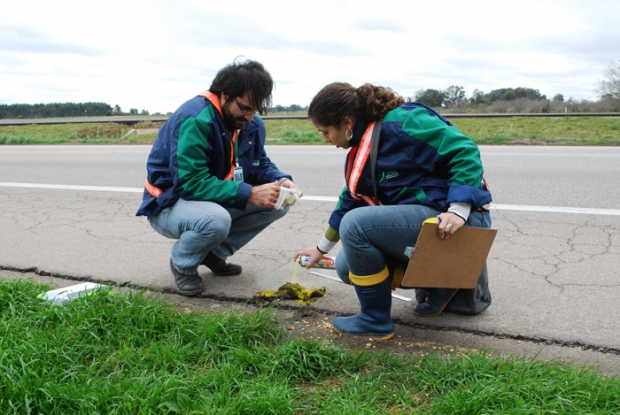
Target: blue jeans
201 227
375 236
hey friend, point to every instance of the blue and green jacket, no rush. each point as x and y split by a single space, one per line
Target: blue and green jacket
191 157
422 159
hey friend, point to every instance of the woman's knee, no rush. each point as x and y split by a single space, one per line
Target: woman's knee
350 229
342 267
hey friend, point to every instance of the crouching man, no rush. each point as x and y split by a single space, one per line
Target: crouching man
210 184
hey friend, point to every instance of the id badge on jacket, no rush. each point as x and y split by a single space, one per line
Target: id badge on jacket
238 174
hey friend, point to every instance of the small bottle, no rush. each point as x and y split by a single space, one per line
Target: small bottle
327 262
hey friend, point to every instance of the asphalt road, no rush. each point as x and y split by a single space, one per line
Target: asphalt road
553 268
585 177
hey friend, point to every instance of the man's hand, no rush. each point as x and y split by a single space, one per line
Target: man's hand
288 183
265 195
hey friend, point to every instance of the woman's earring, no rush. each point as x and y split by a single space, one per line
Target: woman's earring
348 134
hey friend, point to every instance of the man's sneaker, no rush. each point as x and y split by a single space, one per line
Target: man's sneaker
220 267
188 284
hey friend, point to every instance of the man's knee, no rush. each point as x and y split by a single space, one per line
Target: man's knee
278 214
268 216
215 224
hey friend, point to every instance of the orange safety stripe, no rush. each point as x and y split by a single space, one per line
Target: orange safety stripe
357 160
231 173
215 100
153 191
361 157
350 161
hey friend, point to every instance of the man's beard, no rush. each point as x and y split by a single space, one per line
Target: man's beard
229 120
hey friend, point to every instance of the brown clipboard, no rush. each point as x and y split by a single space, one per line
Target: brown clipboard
455 262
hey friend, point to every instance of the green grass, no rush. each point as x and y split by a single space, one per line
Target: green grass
87 133
515 130
292 132
136 354
550 131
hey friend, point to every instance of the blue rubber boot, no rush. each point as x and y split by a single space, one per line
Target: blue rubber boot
436 300
373 321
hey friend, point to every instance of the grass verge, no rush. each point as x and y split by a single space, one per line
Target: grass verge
542 131
132 353
87 133
506 131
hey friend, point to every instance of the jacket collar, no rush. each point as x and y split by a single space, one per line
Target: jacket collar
214 99
248 127
358 132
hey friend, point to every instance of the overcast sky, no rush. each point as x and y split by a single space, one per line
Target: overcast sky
154 55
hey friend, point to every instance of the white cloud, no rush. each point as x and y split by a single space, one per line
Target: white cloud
155 55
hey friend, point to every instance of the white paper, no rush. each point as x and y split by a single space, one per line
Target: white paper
287 197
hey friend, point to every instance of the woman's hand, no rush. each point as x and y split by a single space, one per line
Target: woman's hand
449 223
314 254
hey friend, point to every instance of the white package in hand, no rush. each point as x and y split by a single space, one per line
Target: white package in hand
287 197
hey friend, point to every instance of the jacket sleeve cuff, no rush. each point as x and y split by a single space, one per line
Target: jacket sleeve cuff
326 245
243 194
460 209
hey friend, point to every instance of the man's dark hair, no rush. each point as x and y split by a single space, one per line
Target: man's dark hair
245 76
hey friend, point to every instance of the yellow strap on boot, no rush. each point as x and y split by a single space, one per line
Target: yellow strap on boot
369 280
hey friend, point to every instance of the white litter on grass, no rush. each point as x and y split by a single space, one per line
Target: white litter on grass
62 296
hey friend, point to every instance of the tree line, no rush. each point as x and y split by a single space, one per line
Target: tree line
510 100
455 95
65 109
523 99
89 109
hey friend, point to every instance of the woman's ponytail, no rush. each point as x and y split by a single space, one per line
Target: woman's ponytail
338 100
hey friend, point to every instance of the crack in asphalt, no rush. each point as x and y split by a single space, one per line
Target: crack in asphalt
573 244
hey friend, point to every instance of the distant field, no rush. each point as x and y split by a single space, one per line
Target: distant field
507 131
545 131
